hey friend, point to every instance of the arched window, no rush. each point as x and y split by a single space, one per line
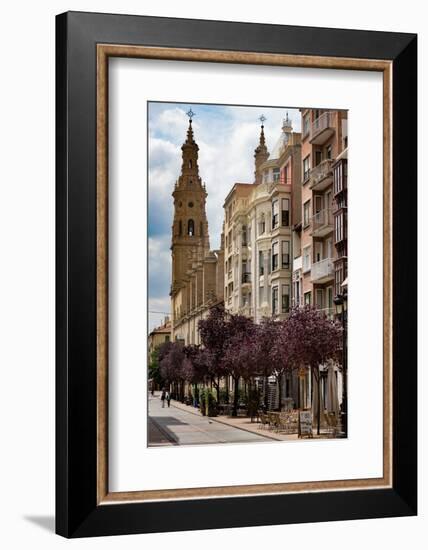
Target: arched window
201 229
191 228
190 164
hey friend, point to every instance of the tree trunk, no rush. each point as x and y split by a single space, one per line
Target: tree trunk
266 393
279 380
315 381
319 402
235 396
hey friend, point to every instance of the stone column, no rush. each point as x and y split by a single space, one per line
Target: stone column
199 289
194 295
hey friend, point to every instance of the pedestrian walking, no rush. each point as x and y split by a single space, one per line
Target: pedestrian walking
163 395
168 397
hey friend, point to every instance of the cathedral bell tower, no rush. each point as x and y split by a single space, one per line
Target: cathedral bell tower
190 240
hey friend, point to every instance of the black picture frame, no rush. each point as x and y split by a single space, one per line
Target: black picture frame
77 512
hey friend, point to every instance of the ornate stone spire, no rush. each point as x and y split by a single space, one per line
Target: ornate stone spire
190 139
287 125
189 169
190 237
261 153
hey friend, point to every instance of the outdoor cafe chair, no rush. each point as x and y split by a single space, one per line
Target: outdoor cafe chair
264 420
274 421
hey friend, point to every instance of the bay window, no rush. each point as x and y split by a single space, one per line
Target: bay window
274 300
285 254
261 263
285 297
285 212
275 248
275 214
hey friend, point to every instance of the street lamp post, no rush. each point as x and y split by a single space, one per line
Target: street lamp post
341 308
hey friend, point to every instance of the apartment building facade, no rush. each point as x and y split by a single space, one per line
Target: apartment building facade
258 230
320 238
319 263
159 335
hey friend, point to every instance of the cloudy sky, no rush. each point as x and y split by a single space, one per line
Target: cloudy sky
227 137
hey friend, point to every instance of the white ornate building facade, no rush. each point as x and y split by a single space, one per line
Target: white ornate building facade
258 231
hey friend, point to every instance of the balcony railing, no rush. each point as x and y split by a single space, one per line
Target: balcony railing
322 223
322 175
246 278
322 271
273 180
322 128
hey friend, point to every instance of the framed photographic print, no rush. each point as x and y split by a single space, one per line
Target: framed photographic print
236 221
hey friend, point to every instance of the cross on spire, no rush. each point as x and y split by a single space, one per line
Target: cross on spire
190 114
262 119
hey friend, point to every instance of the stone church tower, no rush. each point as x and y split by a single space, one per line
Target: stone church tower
190 238
261 154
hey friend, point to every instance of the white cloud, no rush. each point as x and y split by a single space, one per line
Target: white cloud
159 279
171 123
159 253
158 309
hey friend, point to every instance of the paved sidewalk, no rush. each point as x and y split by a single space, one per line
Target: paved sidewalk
180 425
241 423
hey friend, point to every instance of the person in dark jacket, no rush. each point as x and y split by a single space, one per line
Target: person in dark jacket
163 396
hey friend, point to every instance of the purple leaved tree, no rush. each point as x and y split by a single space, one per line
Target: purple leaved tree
311 339
280 354
194 367
164 349
171 367
238 358
214 336
265 335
